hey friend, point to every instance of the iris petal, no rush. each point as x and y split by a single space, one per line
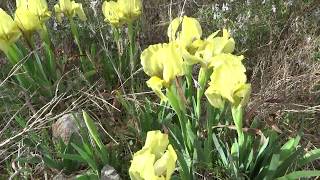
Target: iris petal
156 84
26 20
156 160
228 80
164 61
9 31
122 11
69 8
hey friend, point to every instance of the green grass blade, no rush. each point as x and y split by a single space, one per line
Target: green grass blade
286 164
274 164
51 163
86 157
95 135
92 129
73 157
299 174
288 148
87 177
309 157
50 62
184 171
220 150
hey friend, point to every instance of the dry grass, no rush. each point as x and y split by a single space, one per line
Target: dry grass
287 76
286 81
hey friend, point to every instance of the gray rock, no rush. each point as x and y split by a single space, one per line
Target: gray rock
60 177
65 126
109 173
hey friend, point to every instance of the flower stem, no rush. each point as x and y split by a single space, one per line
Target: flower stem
49 49
45 36
132 49
116 38
14 57
202 80
175 103
75 34
237 115
38 60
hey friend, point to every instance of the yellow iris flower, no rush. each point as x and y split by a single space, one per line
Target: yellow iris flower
190 30
163 63
224 44
155 161
70 9
195 50
166 164
111 11
27 20
156 84
157 142
37 7
122 11
31 14
228 81
215 45
9 31
142 166
187 32
131 9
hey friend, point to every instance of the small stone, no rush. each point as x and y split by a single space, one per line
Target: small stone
109 173
65 126
60 177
